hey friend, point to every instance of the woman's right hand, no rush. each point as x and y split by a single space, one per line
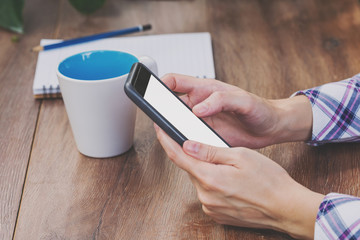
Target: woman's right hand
242 118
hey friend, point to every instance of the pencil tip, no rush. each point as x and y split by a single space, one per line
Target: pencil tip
37 49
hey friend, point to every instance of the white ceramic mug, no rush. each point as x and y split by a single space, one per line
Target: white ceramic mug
101 116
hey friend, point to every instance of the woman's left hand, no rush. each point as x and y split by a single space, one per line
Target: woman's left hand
241 187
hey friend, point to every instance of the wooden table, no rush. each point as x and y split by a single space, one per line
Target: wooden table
271 48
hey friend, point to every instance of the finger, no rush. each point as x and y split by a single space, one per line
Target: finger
185 84
238 101
186 99
179 83
177 155
210 154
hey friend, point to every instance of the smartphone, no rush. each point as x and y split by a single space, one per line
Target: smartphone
166 109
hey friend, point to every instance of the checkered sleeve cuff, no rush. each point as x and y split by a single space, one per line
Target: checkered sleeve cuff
336 111
338 218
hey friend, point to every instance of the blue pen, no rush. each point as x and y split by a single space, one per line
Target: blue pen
92 38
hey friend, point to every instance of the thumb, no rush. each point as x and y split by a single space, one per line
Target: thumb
228 101
210 154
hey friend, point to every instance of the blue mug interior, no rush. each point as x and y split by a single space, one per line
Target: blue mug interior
97 65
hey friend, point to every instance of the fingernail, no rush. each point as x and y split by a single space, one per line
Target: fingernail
202 108
156 126
192 147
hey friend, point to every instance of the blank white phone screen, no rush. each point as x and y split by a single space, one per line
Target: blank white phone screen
179 115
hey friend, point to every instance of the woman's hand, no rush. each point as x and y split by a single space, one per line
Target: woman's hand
239 186
242 118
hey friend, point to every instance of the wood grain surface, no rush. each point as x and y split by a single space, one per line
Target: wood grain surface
18 110
270 48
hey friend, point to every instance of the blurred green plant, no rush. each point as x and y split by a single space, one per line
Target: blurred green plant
87 6
11 15
11 12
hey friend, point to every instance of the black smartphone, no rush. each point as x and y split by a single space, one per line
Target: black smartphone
166 109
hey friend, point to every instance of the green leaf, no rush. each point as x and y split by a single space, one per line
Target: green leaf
11 15
86 6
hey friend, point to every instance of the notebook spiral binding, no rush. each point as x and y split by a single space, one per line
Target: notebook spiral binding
49 92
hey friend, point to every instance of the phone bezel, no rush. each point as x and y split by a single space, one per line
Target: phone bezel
137 95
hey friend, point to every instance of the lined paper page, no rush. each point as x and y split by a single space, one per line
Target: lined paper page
184 53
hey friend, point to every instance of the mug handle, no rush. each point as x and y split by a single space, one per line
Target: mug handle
150 63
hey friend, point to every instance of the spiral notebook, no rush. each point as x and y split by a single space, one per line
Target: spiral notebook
185 53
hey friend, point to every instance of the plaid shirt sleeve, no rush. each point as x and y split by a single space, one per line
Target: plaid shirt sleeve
336 111
338 218
336 118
